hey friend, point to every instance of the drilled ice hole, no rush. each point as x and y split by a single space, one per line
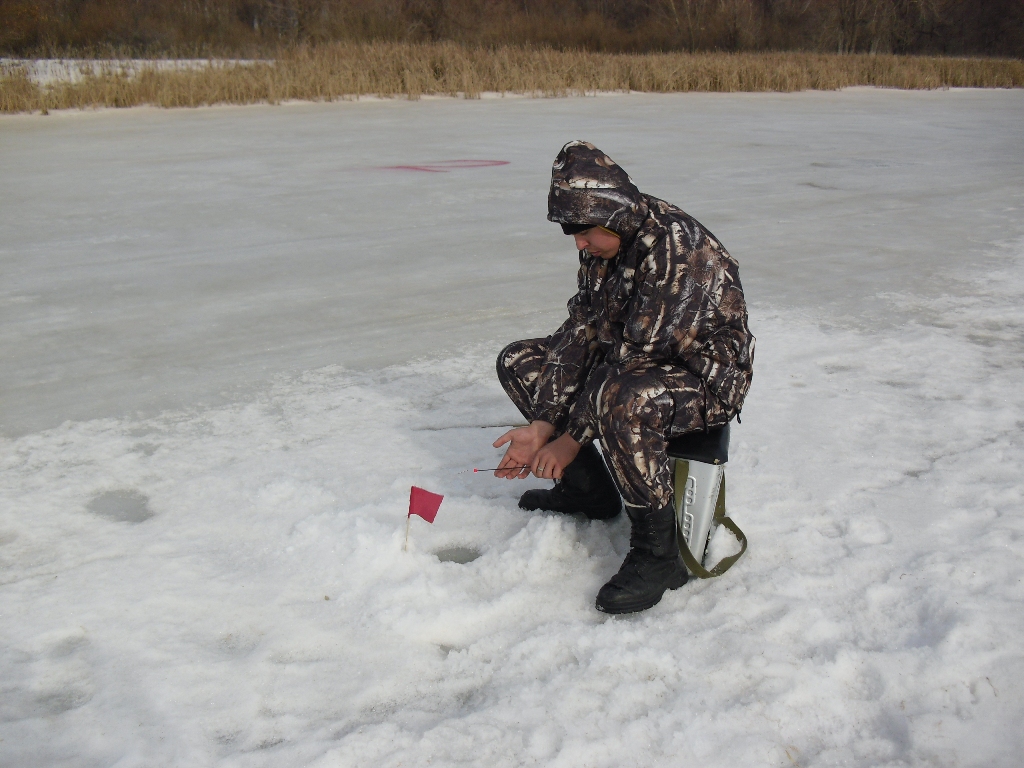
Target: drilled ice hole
460 555
122 506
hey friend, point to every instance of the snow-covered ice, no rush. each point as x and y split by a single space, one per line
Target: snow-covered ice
232 338
52 71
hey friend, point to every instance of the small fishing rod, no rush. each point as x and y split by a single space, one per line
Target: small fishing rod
495 469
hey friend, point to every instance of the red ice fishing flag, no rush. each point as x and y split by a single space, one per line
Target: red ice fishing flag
424 503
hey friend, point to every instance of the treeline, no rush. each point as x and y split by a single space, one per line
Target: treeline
259 27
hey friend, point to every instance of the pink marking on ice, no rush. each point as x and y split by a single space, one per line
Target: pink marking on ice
424 168
444 166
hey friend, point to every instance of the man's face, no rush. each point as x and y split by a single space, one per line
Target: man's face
598 242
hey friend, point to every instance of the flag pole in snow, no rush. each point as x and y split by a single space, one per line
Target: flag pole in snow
422 503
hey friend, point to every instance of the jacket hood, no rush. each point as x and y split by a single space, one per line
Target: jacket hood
588 187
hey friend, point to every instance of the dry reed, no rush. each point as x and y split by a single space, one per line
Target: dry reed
343 70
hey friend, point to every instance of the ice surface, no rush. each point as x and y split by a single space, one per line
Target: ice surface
321 335
50 71
163 259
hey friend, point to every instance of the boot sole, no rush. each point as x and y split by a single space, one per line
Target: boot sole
589 515
604 515
594 507
638 605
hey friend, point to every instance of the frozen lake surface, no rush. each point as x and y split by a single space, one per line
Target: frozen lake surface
233 337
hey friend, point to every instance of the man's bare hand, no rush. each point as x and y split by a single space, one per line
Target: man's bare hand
551 460
524 442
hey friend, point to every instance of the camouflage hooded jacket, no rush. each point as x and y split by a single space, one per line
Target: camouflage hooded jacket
671 296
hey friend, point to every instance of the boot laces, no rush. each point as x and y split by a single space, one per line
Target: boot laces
646 536
642 535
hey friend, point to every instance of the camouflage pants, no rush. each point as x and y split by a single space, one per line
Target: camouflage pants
637 413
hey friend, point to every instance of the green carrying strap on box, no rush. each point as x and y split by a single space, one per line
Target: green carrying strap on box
725 563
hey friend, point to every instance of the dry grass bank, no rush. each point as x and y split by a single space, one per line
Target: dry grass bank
395 69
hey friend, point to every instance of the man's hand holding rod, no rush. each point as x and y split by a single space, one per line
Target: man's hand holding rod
529 451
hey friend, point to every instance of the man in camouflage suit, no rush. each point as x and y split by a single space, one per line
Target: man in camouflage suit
656 345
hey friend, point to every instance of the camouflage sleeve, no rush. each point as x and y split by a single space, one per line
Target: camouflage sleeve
582 423
670 297
725 361
667 304
689 308
572 353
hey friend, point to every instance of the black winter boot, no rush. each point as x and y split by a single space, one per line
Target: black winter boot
585 488
652 565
